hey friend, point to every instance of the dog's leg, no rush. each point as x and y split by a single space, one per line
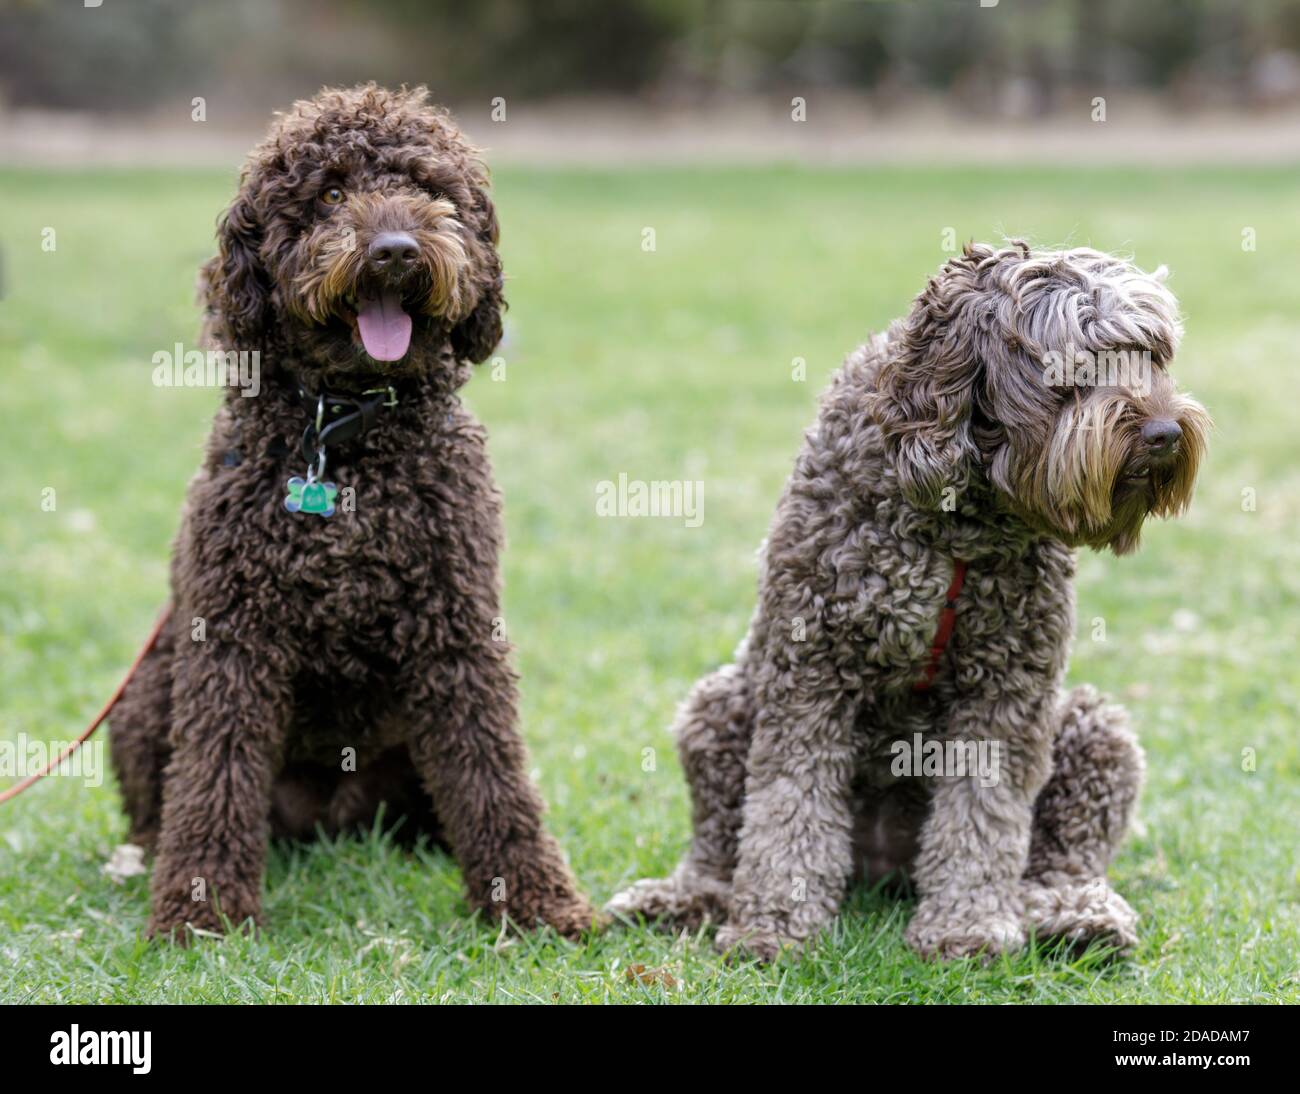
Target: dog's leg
713 732
230 707
975 842
466 746
1080 818
796 842
138 730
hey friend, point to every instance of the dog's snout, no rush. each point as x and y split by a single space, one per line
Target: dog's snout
392 253
1161 436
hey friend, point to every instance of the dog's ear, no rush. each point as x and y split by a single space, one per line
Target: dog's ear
236 289
476 335
924 395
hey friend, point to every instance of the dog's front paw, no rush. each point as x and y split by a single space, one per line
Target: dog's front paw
686 898
739 941
168 928
172 921
207 905
1082 913
573 917
983 928
651 898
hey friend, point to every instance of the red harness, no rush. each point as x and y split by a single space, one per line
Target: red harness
947 620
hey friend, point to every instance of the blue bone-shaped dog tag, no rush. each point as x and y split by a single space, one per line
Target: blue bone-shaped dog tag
311 497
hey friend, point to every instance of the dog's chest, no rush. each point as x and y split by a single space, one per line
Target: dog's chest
950 625
902 633
374 561
354 582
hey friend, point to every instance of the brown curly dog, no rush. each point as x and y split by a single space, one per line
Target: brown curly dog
336 642
957 461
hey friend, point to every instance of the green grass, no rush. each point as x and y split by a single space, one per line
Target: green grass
669 364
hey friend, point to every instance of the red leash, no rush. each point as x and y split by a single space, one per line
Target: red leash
149 644
947 621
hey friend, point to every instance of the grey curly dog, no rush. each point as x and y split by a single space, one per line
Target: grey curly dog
916 589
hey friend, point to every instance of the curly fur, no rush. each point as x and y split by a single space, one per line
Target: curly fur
940 439
374 633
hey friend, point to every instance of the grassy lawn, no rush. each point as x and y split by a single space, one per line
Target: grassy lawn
668 364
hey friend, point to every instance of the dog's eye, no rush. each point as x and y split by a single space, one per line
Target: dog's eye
332 195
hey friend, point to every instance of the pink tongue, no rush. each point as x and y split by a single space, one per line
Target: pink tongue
385 328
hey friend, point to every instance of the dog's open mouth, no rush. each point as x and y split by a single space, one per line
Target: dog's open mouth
382 323
1140 473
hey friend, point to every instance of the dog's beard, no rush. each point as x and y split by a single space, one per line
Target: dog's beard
1092 484
335 292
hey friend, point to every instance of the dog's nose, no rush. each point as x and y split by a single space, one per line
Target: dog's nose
1161 436
392 253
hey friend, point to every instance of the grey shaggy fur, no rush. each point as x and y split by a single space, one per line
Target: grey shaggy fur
941 439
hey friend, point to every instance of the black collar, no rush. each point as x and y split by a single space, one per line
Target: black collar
336 419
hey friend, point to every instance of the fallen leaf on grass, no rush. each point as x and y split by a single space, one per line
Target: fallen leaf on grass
650 976
127 860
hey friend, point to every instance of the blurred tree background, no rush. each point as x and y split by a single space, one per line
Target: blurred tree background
1015 58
